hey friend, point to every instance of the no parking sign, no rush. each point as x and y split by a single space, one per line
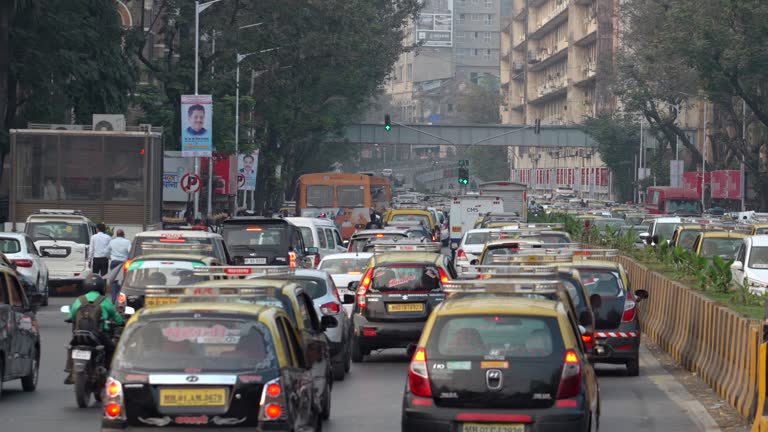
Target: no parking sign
191 183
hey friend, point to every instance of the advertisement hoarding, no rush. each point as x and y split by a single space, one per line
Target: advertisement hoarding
434 25
196 129
726 184
174 167
247 168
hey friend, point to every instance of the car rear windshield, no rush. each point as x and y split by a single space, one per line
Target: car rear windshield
423 219
209 344
602 282
358 243
275 299
406 277
722 247
344 265
553 238
270 236
495 337
309 240
176 245
9 246
64 231
477 238
144 273
315 287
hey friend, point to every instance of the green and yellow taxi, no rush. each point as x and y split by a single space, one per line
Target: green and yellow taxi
617 328
210 365
400 287
501 363
724 244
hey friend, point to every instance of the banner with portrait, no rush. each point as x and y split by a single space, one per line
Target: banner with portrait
196 125
247 168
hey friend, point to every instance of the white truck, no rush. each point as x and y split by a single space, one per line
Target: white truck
514 196
466 209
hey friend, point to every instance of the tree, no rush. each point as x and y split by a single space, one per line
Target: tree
617 140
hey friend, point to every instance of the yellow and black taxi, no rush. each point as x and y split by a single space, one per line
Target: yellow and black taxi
210 365
399 289
159 270
685 234
617 327
503 245
286 294
501 364
759 228
724 244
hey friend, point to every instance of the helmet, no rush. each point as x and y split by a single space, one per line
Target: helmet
94 283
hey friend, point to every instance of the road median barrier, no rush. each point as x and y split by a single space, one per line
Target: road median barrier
724 348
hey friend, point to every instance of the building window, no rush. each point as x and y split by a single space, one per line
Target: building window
459 35
400 73
460 54
410 71
450 108
488 3
488 53
475 17
475 1
488 19
477 52
462 18
476 36
487 36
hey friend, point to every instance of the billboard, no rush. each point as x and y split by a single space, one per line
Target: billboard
196 129
174 167
434 26
247 168
726 184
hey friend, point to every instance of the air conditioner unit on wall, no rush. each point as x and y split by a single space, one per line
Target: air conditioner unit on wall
66 127
108 122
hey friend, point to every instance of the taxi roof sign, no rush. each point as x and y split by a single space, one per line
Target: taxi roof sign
234 271
513 270
207 291
380 247
524 257
596 254
511 286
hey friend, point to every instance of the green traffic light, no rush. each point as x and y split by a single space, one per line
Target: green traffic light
387 127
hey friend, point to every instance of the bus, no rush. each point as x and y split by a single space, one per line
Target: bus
344 198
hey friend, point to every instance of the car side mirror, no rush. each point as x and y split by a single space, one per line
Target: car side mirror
129 310
641 294
737 265
312 251
348 299
352 286
345 243
582 329
327 322
410 350
595 301
585 318
473 262
643 236
655 239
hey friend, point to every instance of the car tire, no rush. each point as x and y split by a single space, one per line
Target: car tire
2 375
633 367
46 295
338 370
325 414
348 357
357 352
29 382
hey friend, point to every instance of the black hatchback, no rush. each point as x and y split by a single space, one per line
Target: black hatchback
265 241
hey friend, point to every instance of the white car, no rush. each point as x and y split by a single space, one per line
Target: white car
62 238
20 249
346 268
471 247
751 265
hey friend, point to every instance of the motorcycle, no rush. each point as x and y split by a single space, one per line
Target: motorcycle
90 366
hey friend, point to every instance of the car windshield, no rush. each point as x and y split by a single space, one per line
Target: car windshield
269 236
605 283
683 206
687 238
760 231
64 231
211 343
9 246
172 245
666 229
423 219
476 238
405 277
144 273
722 247
352 266
758 257
495 336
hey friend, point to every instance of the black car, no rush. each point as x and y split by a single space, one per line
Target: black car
265 241
211 365
20 344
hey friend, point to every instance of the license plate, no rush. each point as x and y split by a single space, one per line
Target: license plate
405 307
192 397
492 427
56 252
255 261
81 355
155 301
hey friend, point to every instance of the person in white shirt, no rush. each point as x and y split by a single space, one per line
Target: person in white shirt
98 251
119 249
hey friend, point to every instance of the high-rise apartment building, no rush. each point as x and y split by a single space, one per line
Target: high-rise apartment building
556 58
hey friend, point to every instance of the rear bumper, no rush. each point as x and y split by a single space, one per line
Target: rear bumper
388 334
67 277
435 419
110 426
619 346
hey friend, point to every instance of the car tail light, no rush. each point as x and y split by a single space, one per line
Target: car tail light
121 299
317 260
330 308
362 290
589 341
418 378
272 401
630 308
292 259
22 262
113 400
570 379
461 254
126 265
443 277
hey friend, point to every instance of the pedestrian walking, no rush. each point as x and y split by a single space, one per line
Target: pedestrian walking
98 251
119 248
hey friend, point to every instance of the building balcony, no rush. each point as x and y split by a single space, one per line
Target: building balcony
519 43
586 74
582 2
550 56
520 105
536 3
549 22
588 33
549 91
520 15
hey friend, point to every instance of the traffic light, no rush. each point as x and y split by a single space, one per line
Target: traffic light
537 127
463 175
387 123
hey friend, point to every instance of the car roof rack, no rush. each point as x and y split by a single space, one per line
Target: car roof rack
535 257
221 290
504 286
176 246
594 254
512 270
241 271
61 212
405 246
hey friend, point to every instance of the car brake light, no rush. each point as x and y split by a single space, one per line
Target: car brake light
126 265
362 290
330 308
317 260
589 341
272 401
292 259
630 308
112 410
273 411
443 277
570 379
418 378
22 262
460 254
121 298
273 390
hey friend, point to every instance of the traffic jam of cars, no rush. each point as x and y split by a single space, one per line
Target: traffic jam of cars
249 325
